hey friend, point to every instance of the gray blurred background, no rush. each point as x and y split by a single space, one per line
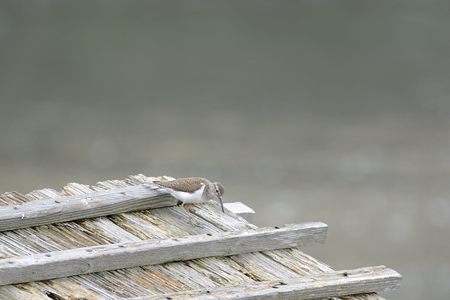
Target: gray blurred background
335 111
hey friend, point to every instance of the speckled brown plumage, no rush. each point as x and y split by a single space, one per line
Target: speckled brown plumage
187 184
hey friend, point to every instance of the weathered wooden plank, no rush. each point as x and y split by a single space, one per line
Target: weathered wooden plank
102 203
333 284
150 252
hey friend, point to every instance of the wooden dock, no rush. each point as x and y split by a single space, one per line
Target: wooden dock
127 239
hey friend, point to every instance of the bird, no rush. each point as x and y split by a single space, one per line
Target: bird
193 190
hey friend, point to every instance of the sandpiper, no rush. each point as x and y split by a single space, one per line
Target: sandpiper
194 190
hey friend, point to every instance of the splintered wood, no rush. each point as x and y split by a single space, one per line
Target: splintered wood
97 204
155 224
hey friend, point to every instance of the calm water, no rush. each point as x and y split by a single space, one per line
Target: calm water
307 111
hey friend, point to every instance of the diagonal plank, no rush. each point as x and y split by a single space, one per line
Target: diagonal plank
86 260
63 209
333 284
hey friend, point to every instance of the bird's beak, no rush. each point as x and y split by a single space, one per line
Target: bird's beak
221 203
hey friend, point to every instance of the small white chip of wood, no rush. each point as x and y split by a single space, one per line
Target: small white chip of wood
241 210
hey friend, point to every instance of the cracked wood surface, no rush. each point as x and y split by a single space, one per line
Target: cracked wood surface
64 263
332 284
84 206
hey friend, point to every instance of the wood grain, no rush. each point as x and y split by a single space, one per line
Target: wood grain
333 284
86 260
63 209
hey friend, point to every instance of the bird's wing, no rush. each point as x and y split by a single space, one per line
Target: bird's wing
189 184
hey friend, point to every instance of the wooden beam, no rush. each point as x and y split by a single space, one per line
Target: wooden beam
63 209
325 285
151 252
